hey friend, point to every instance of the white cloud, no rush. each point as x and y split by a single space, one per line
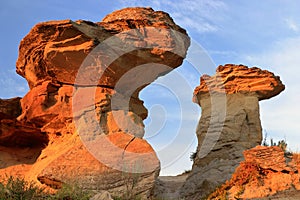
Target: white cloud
199 15
292 25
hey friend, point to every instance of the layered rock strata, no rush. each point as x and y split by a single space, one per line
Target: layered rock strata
265 172
83 103
229 123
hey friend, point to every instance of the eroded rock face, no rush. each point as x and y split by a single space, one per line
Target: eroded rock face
11 108
229 123
20 142
233 79
264 172
84 80
55 50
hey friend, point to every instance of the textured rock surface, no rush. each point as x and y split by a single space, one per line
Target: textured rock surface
102 195
229 123
11 108
55 50
84 80
265 172
233 79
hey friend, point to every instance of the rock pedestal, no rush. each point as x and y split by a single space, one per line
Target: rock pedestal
229 124
82 121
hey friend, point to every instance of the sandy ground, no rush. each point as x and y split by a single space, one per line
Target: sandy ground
168 187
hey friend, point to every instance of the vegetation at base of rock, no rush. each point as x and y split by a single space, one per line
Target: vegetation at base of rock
72 192
131 181
16 188
187 171
19 189
281 143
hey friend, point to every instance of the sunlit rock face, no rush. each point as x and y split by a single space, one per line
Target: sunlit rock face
266 170
83 105
229 123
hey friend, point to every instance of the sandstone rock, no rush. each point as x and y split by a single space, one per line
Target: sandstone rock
16 134
55 50
77 165
10 107
102 195
233 79
49 107
229 123
264 173
85 80
20 143
271 158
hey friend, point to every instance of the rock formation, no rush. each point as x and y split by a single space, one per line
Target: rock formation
229 123
11 108
265 172
82 120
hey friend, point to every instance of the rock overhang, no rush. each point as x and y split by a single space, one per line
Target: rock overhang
233 79
56 50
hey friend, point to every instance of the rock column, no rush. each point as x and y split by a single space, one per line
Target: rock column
229 123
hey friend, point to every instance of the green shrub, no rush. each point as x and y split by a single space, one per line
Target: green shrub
68 192
193 156
281 143
19 189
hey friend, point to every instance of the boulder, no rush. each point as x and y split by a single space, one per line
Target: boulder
229 123
264 172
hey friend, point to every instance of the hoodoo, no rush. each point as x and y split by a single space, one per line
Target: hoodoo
82 120
229 124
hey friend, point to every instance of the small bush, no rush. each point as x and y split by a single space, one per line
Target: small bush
281 143
68 192
193 156
19 189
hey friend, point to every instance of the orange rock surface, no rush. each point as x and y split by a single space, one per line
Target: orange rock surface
232 79
265 172
82 120
55 50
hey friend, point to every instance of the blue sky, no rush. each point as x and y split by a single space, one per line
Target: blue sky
255 33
